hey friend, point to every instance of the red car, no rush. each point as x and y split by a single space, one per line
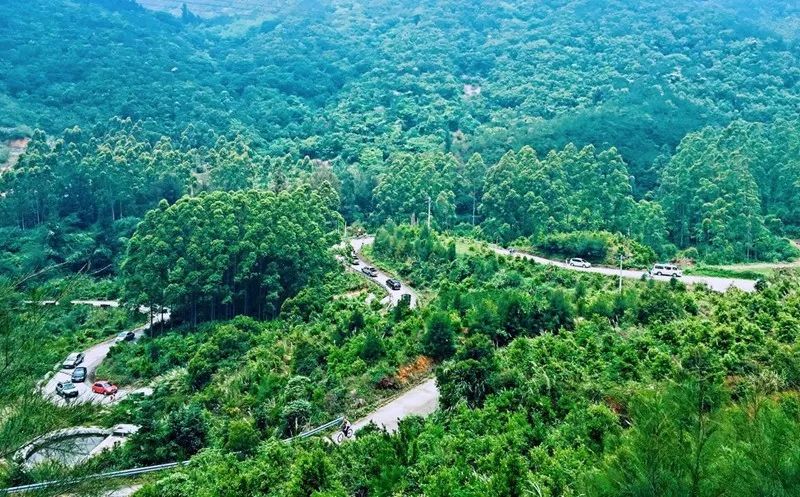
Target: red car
104 388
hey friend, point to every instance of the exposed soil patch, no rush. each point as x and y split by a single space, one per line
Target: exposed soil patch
472 91
16 148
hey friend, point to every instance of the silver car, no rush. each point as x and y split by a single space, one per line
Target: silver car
73 360
66 389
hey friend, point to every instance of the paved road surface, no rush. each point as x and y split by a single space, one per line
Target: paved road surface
716 284
394 295
93 303
124 491
94 356
420 401
96 303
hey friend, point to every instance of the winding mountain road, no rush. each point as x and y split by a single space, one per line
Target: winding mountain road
424 398
93 357
717 284
394 295
420 400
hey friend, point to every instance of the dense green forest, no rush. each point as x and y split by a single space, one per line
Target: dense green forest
360 85
555 383
208 163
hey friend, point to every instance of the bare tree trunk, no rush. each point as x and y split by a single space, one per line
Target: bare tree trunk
474 201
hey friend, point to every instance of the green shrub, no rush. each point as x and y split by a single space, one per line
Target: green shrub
590 245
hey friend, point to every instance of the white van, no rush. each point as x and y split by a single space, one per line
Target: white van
666 270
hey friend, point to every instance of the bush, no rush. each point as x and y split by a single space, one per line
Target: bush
439 340
590 245
241 436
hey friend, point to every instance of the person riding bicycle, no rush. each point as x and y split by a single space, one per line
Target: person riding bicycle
346 427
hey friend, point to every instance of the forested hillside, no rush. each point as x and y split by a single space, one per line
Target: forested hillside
528 248
393 74
359 83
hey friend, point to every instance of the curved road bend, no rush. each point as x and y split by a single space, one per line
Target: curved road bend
716 284
424 398
394 295
421 400
94 356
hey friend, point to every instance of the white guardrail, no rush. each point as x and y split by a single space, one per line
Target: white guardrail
142 470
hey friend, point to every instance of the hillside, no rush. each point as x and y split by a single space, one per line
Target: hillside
346 248
392 74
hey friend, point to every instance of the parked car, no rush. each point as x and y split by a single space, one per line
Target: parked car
66 389
666 270
354 260
79 375
393 284
73 360
578 262
369 271
125 336
104 388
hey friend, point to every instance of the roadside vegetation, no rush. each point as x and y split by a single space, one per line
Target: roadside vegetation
35 338
213 168
553 380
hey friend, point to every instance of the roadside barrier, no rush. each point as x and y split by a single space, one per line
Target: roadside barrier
145 469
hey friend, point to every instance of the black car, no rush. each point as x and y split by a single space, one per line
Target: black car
79 375
369 271
393 284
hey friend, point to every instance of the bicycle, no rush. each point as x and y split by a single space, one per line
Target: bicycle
343 434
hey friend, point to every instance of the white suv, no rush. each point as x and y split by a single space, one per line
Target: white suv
578 262
666 270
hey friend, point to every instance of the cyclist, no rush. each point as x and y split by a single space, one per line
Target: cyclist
346 427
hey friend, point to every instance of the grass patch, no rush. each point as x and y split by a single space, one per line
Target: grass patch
722 272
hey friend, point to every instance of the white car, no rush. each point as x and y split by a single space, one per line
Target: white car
666 270
578 262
